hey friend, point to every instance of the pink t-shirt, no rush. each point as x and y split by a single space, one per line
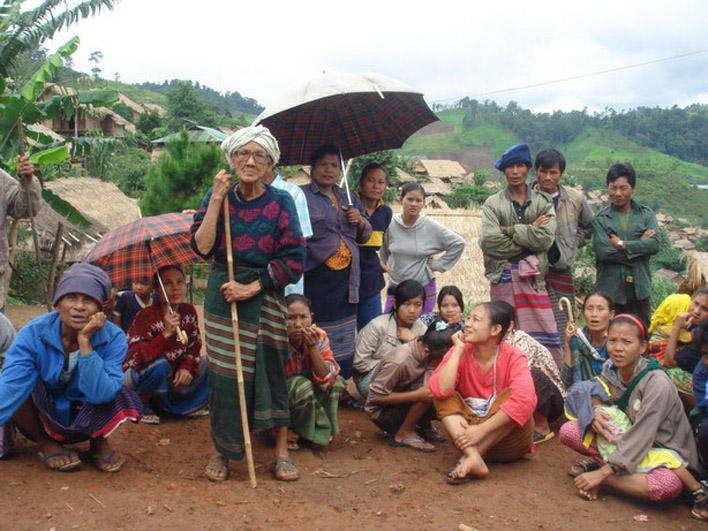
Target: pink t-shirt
512 372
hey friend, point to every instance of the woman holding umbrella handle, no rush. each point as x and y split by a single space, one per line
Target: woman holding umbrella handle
268 251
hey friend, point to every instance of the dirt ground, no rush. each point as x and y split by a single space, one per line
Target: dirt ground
363 484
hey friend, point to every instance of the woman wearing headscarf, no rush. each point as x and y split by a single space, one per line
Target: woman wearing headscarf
62 379
268 252
332 268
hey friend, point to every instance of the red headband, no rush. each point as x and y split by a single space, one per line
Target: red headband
635 320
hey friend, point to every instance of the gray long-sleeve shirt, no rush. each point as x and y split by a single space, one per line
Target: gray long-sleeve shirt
14 203
406 249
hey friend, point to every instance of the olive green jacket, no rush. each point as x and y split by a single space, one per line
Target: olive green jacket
614 264
499 248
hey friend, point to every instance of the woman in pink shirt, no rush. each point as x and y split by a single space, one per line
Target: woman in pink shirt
484 394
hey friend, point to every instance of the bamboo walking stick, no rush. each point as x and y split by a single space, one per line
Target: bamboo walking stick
237 352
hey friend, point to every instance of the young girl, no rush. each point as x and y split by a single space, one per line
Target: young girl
387 331
164 370
586 349
451 307
484 394
645 394
313 380
411 243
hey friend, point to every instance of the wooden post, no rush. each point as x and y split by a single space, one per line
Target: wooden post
55 259
7 277
237 352
35 237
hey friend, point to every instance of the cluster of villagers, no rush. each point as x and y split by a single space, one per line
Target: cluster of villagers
309 266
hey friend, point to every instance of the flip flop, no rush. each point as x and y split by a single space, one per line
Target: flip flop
104 464
433 435
581 466
149 416
409 442
539 438
455 480
217 469
71 455
284 470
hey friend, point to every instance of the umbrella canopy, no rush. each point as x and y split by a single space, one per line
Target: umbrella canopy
360 113
136 250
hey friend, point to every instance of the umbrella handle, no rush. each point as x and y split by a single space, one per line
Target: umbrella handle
563 301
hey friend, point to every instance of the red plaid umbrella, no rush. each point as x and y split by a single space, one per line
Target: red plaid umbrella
360 113
136 250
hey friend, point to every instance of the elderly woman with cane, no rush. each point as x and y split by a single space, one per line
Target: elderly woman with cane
259 228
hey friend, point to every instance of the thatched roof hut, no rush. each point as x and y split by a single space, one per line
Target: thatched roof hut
77 240
404 177
435 186
161 111
696 272
135 107
440 169
100 202
302 176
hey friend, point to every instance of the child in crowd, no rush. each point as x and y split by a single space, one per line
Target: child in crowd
163 363
451 307
388 331
586 349
131 301
399 401
313 380
487 418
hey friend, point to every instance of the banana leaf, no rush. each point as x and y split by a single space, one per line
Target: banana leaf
53 155
34 87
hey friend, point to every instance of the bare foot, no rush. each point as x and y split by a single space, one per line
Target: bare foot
470 465
589 494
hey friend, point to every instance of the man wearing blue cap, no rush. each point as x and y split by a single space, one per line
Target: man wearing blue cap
518 228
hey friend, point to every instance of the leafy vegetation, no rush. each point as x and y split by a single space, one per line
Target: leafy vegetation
230 103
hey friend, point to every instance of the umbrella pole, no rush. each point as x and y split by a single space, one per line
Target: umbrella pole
237 352
181 334
345 170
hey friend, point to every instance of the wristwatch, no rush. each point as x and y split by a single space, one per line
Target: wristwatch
621 245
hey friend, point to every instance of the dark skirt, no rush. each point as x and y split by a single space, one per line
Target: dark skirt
90 421
328 292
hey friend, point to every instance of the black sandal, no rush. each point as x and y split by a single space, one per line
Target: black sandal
581 466
451 480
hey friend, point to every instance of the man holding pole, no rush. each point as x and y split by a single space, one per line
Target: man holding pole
18 200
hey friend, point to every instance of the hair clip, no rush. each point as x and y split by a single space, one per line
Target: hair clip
440 326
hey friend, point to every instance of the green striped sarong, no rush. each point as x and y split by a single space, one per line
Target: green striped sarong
264 349
313 410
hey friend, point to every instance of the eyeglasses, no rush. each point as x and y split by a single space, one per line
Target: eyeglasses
243 155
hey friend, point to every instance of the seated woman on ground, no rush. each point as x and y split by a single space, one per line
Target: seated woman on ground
388 331
130 302
313 380
399 401
451 307
586 349
167 373
673 325
487 418
655 421
550 391
62 379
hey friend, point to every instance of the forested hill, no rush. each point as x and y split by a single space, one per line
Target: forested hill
230 103
667 147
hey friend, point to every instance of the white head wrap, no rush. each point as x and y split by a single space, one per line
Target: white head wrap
258 134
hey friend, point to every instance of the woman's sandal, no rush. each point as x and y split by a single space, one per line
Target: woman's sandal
699 511
217 468
581 466
108 464
149 416
283 469
73 460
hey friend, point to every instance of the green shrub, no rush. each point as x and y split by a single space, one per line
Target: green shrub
660 289
467 195
26 283
668 257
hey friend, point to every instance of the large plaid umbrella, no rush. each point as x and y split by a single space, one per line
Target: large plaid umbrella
136 250
360 113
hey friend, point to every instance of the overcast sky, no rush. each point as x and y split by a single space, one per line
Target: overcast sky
443 48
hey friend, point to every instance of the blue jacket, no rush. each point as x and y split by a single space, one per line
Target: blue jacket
38 353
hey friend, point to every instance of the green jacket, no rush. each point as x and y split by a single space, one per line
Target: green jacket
498 248
613 264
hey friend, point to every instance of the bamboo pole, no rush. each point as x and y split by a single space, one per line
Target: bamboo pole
55 259
35 238
237 352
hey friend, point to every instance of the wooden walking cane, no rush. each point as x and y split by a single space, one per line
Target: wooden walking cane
237 352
